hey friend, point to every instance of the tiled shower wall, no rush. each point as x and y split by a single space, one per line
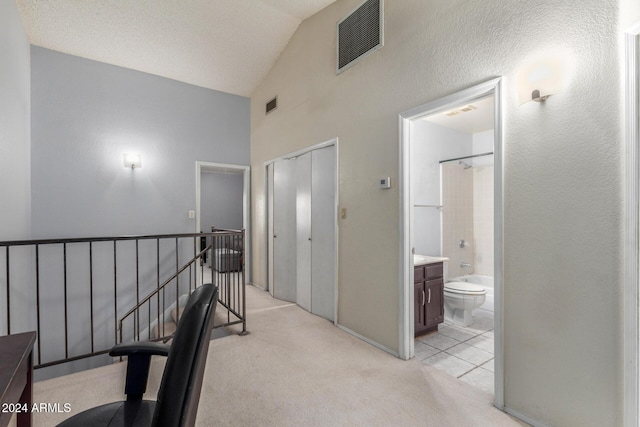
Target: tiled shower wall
467 214
457 217
483 219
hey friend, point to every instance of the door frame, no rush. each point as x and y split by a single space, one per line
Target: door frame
406 332
631 225
268 190
202 166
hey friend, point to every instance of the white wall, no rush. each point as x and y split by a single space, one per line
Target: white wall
483 142
563 168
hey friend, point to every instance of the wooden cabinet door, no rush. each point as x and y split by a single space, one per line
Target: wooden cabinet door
419 314
434 290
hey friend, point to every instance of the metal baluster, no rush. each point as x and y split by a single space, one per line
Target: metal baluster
177 282
137 324
91 290
8 293
158 283
115 294
66 327
244 307
38 301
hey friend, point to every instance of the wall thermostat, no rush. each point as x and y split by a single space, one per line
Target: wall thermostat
384 183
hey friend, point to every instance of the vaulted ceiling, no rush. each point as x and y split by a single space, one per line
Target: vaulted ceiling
226 45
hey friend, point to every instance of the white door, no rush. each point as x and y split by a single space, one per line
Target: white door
270 227
323 232
302 228
284 231
303 232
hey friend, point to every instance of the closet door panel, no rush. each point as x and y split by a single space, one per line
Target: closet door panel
303 222
323 220
270 231
284 230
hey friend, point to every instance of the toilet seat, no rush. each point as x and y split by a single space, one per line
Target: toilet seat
464 288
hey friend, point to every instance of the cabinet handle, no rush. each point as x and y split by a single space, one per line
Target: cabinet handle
422 297
429 300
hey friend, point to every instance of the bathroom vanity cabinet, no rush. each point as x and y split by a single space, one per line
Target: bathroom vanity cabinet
428 284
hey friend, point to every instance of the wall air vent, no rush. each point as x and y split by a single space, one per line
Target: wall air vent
271 105
360 34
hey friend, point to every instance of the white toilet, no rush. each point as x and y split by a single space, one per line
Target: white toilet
460 299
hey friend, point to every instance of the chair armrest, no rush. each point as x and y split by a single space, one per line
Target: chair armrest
138 361
140 347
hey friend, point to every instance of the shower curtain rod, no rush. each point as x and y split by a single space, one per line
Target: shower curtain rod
467 157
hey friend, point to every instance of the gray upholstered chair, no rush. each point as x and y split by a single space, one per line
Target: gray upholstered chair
179 393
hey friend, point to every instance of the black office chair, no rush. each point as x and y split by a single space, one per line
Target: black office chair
179 392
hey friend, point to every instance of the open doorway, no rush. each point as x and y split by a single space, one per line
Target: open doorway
450 241
223 201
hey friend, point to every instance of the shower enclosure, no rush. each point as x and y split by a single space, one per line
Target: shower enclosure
467 214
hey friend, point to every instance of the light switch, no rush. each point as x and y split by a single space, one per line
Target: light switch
343 213
192 214
384 183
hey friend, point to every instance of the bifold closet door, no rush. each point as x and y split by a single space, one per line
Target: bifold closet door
270 227
303 239
284 230
323 232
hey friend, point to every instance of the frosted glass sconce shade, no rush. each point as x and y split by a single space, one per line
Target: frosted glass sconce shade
132 160
539 79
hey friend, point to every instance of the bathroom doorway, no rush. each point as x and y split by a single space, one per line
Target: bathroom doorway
451 204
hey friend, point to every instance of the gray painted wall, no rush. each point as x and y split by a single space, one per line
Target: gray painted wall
221 200
15 192
86 114
14 125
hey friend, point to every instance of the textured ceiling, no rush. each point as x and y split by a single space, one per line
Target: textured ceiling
226 45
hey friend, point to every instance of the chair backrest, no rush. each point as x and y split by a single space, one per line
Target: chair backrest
179 392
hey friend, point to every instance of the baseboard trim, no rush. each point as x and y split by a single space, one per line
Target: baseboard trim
368 341
257 285
527 419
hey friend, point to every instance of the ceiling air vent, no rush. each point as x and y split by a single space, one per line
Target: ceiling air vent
359 34
272 105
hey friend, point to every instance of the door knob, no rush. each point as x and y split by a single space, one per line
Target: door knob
274 236
309 238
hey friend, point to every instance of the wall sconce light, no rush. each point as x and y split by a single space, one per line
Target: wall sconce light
132 160
541 78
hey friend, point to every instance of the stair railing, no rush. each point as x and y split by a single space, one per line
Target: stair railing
135 311
226 262
74 291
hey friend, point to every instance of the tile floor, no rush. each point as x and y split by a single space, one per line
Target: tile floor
463 352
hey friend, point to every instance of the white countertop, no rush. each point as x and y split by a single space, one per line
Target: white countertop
425 259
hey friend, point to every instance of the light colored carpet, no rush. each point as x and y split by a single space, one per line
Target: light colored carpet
296 369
